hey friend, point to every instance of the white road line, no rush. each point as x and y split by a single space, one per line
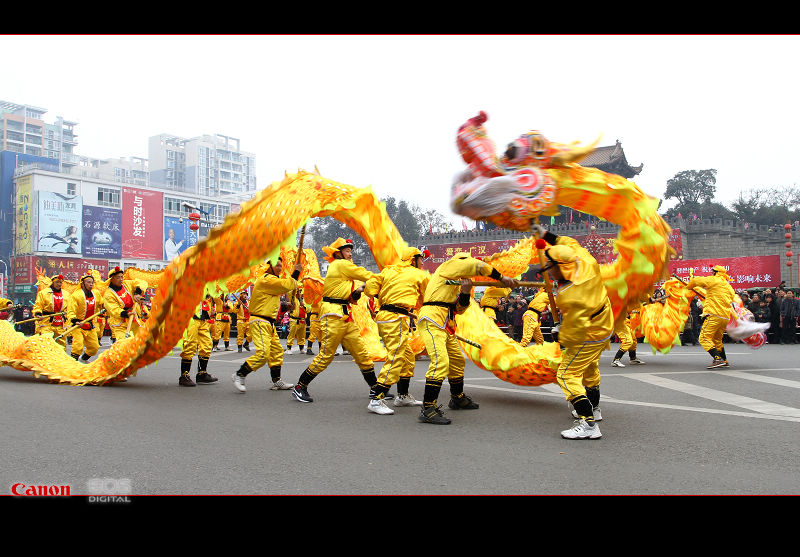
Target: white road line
540 392
748 403
760 378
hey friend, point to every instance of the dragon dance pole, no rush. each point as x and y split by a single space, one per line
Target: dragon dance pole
68 331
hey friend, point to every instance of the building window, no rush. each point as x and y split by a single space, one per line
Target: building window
72 188
107 197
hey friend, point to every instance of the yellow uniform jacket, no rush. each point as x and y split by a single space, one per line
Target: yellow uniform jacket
719 295
585 308
77 304
266 298
339 285
49 301
114 302
437 292
490 297
402 286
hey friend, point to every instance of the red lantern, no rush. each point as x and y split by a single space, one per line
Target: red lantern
787 226
788 244
788 235
194 226
788 263
788 254
194 217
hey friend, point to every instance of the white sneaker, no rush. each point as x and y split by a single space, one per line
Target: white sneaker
581 430
228 349
407 400
379 407
598 417
238 382
637 362
279 385
617 363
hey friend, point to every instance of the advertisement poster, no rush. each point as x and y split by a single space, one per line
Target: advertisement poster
177 237
758 271
22 243
60 222
142 223
102 232
72 268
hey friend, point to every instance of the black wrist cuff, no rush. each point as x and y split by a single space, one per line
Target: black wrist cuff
463 300
296 275
496 274
550 238
355 295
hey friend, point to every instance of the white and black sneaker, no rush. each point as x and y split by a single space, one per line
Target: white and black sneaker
238 382
582 430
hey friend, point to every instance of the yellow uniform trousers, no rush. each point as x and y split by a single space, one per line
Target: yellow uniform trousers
47 327
243 332
118 330
268 346
221 330
399 355
579 370
297 331
627 340
335 331
447 361
84 340
315 330
711 333
197 340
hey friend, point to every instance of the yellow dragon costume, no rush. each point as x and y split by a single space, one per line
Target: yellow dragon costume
230 256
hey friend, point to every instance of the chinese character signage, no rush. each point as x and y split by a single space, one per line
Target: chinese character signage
761 271
59 222
72 269
102 232
177 237
23 210
142 222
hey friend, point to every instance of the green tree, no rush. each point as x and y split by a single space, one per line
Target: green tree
692 187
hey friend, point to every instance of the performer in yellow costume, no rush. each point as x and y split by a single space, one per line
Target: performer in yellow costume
297 329
314 329
436 326
531 324
243 336
121 302
197 340
221 329
51 302
399 290
717 309
264 305
338 292
587 324
627 341
489 300
83 303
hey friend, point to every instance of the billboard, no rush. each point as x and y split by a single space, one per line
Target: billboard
758 271
72 268
23 208
102 232
178 236
142 214
59 222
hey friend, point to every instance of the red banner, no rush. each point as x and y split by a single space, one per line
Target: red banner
759 271
601 246
72 269
142 224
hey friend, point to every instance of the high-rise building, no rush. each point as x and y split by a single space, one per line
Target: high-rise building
23 130
209 165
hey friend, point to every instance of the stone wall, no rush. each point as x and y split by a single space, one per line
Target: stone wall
702 239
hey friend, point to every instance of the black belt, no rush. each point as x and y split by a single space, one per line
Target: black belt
344 303
539 313
270 319
598 312
396 309
450 306
298 319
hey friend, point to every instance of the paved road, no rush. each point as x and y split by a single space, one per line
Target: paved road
669 427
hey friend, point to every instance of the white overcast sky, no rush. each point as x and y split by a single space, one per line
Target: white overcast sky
384 110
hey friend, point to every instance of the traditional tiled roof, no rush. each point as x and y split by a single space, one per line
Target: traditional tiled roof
611 159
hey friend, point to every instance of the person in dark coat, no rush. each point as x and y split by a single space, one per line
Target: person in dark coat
774 332
519 310
790 311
